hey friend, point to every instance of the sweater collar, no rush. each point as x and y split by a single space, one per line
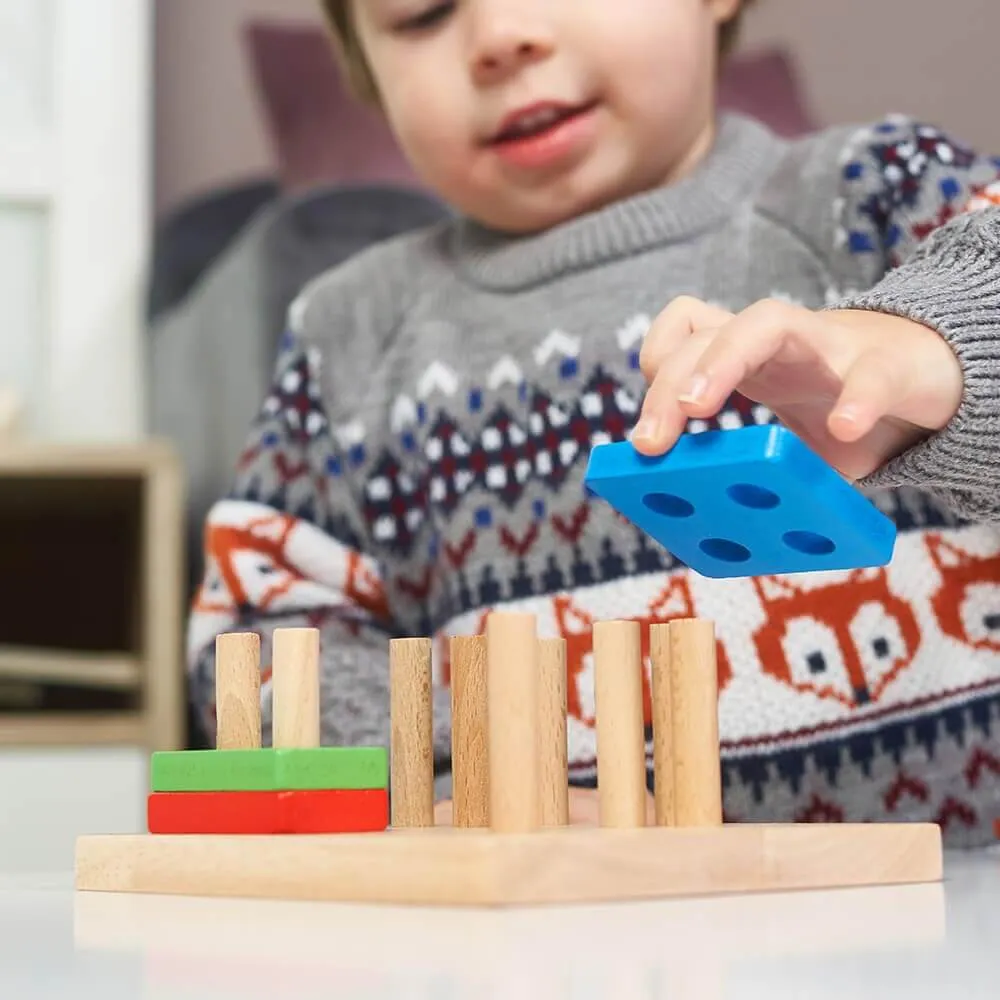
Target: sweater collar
742 151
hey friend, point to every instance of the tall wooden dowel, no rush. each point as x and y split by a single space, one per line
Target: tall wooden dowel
621 743
295 684
663 724
469 736
552 748
512 687
694 687
411 747
237 691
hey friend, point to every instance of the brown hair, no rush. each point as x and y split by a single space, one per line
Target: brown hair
352 57
348 48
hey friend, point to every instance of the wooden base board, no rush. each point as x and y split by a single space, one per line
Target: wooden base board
446 866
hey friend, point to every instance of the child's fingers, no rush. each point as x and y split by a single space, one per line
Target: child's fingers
662 420
750 340
672 327
872 387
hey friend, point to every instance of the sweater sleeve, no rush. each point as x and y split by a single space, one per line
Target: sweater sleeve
920 211
289 546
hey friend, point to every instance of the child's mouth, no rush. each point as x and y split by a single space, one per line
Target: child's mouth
542 133
533 121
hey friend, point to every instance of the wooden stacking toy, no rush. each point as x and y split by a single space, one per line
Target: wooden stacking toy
301 821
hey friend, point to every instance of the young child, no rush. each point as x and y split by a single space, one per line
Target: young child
419 459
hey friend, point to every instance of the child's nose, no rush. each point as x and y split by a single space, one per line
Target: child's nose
506 35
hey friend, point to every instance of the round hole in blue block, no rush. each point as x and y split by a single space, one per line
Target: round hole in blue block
668 505
751 495
808 543
724 550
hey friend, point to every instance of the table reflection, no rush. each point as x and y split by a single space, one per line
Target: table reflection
670 950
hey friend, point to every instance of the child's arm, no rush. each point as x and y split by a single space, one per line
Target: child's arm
950 285
897 385
289 546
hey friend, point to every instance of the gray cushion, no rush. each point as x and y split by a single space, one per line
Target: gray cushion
212 355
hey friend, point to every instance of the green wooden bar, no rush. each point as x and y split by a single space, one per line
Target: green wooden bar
268 769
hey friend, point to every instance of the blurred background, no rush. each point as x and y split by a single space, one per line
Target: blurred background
171 172
853 59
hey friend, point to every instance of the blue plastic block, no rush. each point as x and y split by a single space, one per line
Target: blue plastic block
750 502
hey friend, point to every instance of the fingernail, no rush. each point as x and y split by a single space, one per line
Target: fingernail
694 390
648 429
849 413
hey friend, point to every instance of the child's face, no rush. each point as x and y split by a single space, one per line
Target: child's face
523 113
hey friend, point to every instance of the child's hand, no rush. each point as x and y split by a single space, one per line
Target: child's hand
858 387
583 809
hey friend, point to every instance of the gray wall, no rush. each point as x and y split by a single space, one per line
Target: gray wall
859 58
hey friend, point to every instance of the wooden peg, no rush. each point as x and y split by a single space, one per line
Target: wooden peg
512 687
552 747
295 682
411 750
237 691
694 689
469 736
663 725
621 744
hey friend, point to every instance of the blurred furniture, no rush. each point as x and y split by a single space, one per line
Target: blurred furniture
321 135
91 624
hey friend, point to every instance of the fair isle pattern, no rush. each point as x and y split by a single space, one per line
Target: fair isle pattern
808 654
532 436
822 687
542 441
820 677
278 565
842 697
925 178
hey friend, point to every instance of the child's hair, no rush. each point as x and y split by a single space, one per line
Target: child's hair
352 57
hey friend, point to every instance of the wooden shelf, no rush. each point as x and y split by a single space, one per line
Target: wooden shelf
91 650
24 457
37 729
98 670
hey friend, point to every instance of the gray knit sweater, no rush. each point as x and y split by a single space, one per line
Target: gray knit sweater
419 461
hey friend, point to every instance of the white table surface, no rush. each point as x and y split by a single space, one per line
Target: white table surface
912 942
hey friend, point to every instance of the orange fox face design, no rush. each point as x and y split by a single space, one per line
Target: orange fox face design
262 560
250 562
967 604
845 642
575 626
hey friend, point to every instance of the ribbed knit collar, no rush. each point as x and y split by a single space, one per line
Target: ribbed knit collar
740 155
